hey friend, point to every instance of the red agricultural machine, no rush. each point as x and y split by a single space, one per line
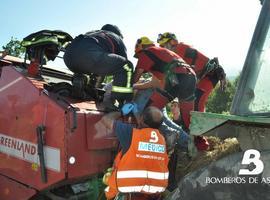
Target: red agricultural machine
52 145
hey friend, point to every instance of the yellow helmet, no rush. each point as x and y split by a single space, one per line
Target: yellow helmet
165 37
142 41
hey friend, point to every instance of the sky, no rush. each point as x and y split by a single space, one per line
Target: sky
217 28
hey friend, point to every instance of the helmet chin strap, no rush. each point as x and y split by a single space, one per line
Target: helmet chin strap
172 44
169 46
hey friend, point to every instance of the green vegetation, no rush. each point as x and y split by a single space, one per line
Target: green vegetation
14 48
221 101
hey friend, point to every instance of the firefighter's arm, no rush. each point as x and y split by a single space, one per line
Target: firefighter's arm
108 119
153 83
137 74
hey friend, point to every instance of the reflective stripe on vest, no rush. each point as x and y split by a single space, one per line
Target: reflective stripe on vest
48 39
129 74
122 89
141 169
128 88
142 174
142 188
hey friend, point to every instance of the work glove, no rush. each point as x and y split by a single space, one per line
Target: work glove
130 107
127 108
221 76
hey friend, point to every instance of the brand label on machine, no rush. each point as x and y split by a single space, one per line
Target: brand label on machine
28 151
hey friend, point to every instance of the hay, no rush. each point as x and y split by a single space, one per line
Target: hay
218 149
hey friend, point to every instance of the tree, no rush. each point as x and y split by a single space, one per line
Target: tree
14 48
221 101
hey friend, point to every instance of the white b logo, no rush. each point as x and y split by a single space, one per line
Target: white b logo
154 137
252 158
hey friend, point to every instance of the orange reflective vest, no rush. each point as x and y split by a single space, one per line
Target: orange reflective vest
143 168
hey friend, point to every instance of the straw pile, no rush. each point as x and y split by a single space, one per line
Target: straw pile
218 149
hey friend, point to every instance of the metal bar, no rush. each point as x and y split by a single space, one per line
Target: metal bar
242 98
41 142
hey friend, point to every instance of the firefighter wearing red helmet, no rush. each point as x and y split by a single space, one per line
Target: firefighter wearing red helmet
169 73
208 71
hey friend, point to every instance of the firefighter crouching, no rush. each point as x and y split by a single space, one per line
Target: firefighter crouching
140 169
208 71
171 76
102 52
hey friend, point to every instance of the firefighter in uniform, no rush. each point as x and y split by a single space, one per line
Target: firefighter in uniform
102 52
140 170
208 71
169 73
